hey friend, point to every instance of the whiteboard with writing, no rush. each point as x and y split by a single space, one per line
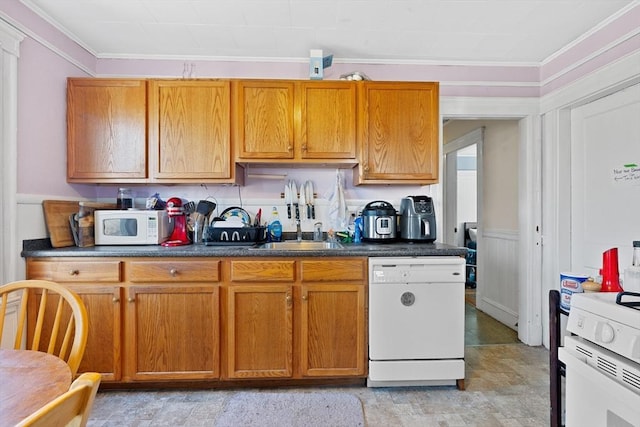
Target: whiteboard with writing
628 174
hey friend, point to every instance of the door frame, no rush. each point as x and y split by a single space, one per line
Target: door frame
450 198
526 110
10 40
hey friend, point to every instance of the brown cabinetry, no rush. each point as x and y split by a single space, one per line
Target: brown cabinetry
98 285
399 133
259 319
296 318
106 130
190 130
179 319
282 121
332 317
148 320
172 329
195 131
144 131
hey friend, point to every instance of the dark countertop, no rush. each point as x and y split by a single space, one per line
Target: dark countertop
41 248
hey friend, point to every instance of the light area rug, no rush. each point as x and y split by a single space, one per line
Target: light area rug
299 409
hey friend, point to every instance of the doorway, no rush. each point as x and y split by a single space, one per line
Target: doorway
497 219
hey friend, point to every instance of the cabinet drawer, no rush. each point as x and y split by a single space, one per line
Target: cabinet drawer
334 270
173 271
75 271
263 271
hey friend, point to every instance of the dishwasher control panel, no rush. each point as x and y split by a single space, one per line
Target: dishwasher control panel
416 270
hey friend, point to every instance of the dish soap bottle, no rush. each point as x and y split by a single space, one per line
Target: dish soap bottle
275 227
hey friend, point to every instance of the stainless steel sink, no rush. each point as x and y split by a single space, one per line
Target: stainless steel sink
304 245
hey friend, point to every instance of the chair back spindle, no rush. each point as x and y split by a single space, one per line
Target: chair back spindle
53 316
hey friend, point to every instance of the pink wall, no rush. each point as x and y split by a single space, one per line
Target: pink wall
47 58
42 132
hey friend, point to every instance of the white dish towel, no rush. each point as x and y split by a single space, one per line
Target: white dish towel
338 211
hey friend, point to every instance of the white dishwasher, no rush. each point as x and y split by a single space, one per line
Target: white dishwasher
416 321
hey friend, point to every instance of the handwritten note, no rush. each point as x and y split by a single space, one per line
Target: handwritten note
628 174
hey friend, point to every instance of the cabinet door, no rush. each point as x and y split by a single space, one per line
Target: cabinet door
103 352
190 129
332 330
106 130
97 282
400 133
172 332
264 119
103 349
259 331
328 120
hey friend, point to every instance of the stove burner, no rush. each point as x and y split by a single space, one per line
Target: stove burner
631 304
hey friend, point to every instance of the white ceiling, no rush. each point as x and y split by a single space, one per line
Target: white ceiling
393 31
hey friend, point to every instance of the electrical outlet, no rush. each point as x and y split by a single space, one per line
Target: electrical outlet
315 64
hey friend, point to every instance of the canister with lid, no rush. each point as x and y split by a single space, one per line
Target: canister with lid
631 282
124 199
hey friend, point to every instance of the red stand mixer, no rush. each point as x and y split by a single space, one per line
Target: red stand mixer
609 271
179 236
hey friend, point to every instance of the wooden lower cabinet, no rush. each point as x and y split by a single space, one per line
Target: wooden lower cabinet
231 319
98 283
332 330
103 352
311 324
259 327
172 332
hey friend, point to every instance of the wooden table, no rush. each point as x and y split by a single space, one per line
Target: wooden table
29 380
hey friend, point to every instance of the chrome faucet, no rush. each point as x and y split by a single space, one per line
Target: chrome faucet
298 231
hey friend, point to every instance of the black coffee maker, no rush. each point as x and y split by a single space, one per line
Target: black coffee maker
417 219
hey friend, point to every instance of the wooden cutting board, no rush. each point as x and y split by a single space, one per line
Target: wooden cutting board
56 216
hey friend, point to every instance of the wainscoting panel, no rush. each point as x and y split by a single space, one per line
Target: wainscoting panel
498 276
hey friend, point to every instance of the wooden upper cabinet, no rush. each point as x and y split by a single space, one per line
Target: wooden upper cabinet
190 130
284 121
400 133
264 119
106 130
328 114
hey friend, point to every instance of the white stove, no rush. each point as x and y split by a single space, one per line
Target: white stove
602 360
600 318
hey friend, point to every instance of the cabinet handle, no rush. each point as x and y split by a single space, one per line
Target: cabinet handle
173 272
304 147
115 299
304 297
288 298
131 299
290 148
74 272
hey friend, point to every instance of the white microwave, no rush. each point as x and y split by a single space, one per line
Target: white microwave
131 227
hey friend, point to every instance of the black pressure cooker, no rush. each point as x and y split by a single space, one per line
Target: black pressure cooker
379 222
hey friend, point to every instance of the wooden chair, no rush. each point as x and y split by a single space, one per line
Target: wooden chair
71 409
57 321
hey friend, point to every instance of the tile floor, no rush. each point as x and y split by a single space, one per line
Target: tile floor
507 384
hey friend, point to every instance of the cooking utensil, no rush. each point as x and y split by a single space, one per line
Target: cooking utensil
258 218
294 198
379 221
303 201
189 207
311 208
287 198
